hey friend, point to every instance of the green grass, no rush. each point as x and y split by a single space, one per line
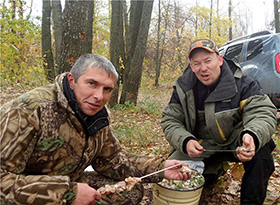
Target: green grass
138 126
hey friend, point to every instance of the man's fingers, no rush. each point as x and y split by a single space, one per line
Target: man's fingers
97 196
246 156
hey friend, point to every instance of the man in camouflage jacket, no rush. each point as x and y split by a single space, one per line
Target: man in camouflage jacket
214 107
49 135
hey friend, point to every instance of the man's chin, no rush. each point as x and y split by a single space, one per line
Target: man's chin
91 112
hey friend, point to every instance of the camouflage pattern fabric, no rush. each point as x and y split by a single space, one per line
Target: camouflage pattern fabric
44 150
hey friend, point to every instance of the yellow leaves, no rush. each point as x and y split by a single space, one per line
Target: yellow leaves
219 24
121 63
101 30
20 50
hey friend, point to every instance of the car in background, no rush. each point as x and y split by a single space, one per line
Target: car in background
258 55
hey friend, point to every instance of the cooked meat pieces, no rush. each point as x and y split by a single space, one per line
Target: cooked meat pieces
186 169
131 181
114 188
121 186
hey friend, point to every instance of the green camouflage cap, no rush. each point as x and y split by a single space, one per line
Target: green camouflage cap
206 44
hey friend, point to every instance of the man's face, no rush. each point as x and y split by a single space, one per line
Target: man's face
206 66
92 89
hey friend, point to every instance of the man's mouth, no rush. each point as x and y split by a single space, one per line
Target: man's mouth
205 77
93 105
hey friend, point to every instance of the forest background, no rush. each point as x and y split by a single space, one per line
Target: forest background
147 41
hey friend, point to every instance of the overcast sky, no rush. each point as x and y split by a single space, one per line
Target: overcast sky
261 11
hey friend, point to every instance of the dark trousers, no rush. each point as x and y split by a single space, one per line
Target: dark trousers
256 176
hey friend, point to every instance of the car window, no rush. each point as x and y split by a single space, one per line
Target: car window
221 50
234 52
255 47
269 44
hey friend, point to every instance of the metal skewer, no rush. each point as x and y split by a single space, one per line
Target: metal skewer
209 150
159 171
229 150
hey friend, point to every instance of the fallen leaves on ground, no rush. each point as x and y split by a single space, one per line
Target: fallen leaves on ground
226 191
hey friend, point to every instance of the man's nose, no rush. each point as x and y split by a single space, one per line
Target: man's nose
203 67
98 93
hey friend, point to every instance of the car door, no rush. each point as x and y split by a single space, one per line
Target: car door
258 63
234 52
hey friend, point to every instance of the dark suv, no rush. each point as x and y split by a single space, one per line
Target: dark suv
258 55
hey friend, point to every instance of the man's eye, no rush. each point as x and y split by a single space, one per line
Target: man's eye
108 90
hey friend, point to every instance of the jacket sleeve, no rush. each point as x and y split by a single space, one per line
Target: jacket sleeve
174 123
113 162
18 138
258 114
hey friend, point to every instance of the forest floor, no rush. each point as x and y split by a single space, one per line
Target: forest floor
227 190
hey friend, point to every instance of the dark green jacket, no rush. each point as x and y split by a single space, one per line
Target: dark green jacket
236 106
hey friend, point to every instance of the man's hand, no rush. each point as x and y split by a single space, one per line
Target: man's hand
175 172
86 195
248 142
194 149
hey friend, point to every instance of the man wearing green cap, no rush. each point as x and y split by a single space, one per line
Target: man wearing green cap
214 107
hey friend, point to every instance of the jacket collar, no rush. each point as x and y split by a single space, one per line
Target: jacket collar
224 90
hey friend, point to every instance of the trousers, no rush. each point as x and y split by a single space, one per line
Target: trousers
256 176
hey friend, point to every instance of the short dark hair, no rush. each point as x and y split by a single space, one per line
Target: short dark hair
94 61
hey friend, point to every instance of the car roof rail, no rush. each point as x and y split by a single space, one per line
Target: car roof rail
260 33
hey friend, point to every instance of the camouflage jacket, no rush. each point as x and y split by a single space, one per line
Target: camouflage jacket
44 150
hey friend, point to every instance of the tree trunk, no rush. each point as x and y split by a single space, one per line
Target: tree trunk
229 16
210 20
178 35
20 9
30 11
158 42
13 11
276 16
77 36
58 29
126 25
196 20
117 51
218 16
139 26
46 40
163 43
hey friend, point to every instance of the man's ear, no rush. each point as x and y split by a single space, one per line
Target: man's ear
191 66
221 60
71 81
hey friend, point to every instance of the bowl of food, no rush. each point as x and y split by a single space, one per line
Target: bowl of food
179 192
